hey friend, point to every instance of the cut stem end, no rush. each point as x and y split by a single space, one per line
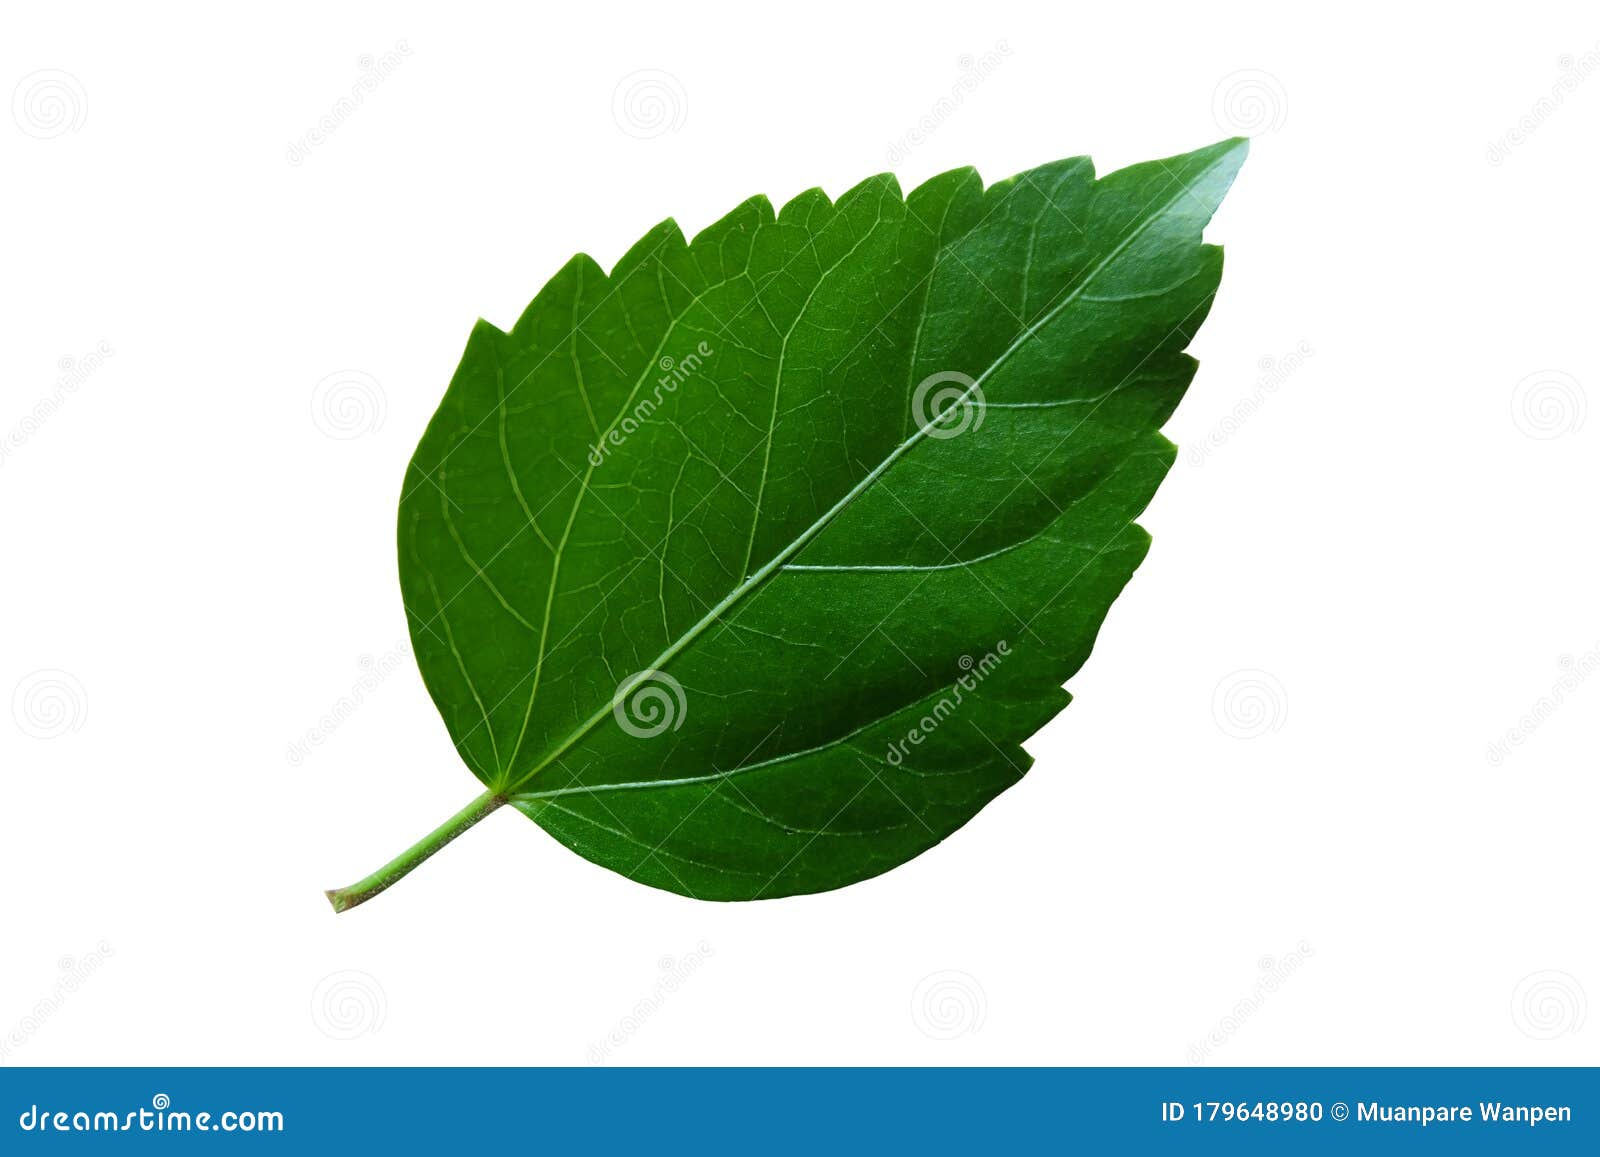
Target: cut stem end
343 899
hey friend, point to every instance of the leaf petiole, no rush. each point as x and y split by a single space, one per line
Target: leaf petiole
360 892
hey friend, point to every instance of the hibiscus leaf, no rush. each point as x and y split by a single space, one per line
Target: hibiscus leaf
745 570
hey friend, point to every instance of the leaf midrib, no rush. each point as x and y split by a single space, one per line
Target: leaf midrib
757 579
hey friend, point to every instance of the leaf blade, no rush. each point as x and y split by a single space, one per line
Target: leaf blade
753 529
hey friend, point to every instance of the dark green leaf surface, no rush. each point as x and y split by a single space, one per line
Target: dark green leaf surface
745 570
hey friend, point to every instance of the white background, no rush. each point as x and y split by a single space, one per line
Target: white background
1384 517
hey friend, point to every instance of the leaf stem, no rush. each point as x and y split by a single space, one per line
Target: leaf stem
360 892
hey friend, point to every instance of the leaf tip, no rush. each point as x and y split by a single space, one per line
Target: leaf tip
1234 150
582 265
485 330
803 203
663 236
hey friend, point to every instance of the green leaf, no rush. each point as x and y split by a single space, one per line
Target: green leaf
745 570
